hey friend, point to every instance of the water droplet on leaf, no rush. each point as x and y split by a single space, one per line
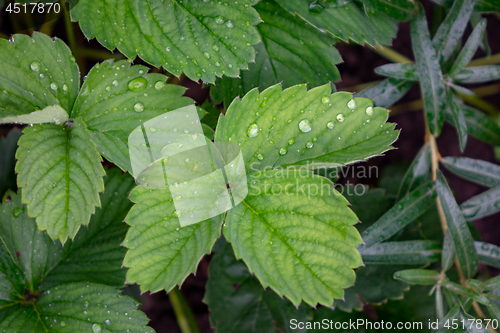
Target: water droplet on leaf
137 84
305 126
253 131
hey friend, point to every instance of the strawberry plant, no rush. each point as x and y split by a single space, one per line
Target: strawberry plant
117 180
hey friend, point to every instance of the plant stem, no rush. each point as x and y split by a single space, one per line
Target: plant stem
392 55
494 59
70 33
99 54
183 313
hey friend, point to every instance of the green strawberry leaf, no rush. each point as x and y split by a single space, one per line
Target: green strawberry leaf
238 303
8 146
203 39
35 73
61 173
291 52
160 253
52 282
51 114
346 21
300 242
116 98
279 128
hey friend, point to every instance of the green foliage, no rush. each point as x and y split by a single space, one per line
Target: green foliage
74 286
203 39
66 250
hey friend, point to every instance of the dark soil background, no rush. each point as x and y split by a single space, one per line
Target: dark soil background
357 68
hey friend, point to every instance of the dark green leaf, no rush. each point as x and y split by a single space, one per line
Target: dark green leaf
8 146
404 252
369 204
399 71
482 205
462 238
202 39
459 119
469 48
487 6
387 92
35 73
477 171
479 125
292 52
346 21
112 110
449 33
418 276
448 255
478 74
405 211
81 275
417 172
374 284
488 253
429 70
401 10
238 303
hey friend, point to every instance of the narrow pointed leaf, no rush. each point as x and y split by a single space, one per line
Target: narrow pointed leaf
74 286
475 18
401 10
346 21
201 39
50 114
462 238
482 205
488 253
238 303
160 253
492 284
477 171
292 52
399 71
417 171
458 116
478 74
479 125
8 146
469 49
418 276
61 174
487 6
467 292
298 127
113 102
387 92
452 28
300 242
449 253
429 70
404 252
35 73
405 211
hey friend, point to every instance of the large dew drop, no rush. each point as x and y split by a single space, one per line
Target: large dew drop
35 66
219 20
283 151
309 145
260 157
96 328
139 107
325 99
253 131
351 104
305 126
369 111
159 85
137 84
53 86
330 125
340 117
